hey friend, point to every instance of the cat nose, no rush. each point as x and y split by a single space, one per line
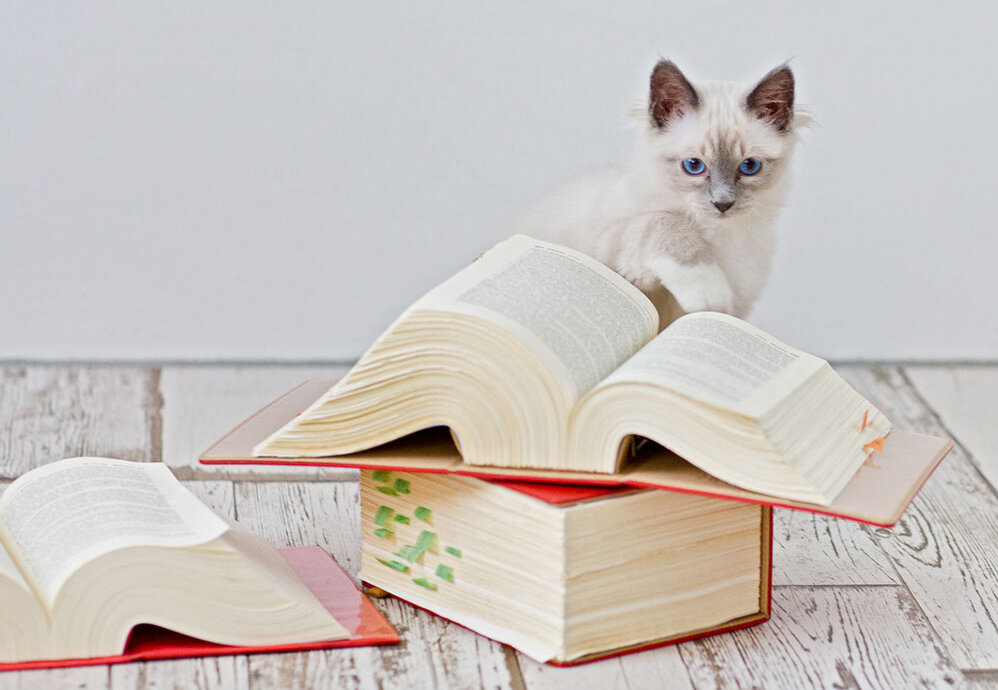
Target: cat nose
723 206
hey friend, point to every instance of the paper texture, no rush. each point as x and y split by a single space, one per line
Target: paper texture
721 361
125 504
532 288
9 570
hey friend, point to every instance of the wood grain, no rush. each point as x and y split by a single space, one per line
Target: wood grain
200 404
304 513
655 668
828 637
853 607
965 398
810 549
945 548
81 678
433 654
52 412
207 673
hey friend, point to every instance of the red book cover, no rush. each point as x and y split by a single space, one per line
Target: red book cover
320 573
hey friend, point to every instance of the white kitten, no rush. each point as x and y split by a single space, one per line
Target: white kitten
689 219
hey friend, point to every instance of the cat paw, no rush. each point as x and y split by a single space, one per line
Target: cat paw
703 288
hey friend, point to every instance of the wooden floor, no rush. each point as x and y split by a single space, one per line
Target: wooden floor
854 606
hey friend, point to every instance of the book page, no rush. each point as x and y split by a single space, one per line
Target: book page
583 318
9 570
60 516
722 361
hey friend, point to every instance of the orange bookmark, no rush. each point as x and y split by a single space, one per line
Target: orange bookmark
876 444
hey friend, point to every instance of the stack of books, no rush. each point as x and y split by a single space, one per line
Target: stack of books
543 466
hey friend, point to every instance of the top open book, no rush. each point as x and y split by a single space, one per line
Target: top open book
539 357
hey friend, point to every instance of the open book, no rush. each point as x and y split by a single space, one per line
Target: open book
91 547
537 356
566 574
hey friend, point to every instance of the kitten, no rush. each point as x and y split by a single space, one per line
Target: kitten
689 219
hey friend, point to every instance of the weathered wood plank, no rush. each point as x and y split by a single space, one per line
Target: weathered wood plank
434 652
811 549
655 668
84 678
966 400
828 637
219 495
52 412
201 403
304 513
209 673
945 548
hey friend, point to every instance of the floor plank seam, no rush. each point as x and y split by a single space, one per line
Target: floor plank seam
940 640
516 681
949 432
980 674
155 412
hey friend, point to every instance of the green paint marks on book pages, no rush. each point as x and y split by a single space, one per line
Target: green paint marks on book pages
381 475
382 515
395 565
445 572
423 582
387 490
422 513
453 551
384 533
402 519
425 540
409 553
401 486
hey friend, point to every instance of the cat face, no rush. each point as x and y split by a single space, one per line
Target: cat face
721 150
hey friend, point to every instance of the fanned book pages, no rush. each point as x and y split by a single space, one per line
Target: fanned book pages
536 356
566 574
90 548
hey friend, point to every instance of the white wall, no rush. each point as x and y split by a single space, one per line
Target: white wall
279 180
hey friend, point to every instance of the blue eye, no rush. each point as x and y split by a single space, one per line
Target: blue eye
750 166
694 166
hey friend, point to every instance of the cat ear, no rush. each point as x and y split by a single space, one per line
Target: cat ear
772 99
671 94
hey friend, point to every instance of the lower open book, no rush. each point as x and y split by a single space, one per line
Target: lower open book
105 561
364 623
